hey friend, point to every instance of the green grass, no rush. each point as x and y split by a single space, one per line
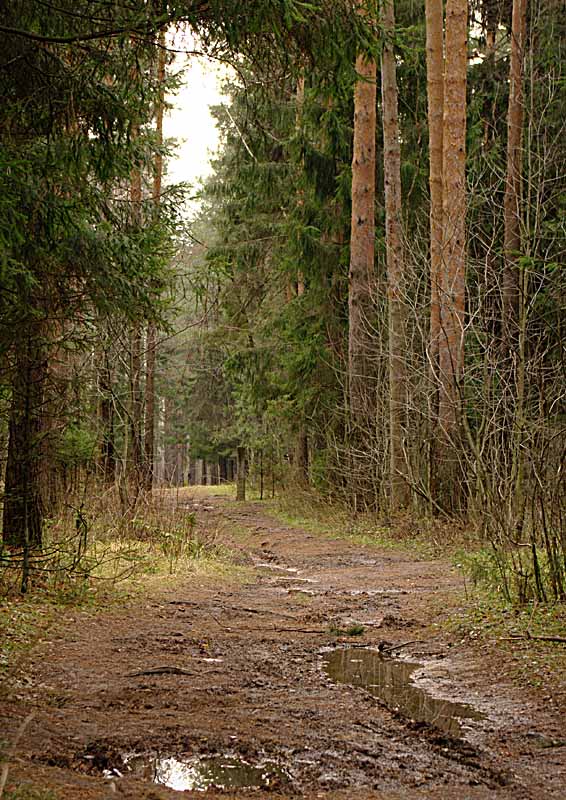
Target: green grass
506 629
22 621
364 529
356 629
29 792
121 563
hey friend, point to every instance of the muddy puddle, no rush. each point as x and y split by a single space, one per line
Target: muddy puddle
199 773
390 680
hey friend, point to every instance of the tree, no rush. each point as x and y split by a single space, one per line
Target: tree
435 95
151 338
362 238
514 173
453 283
395 265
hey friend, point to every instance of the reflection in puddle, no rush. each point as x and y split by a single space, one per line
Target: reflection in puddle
390 680
199 773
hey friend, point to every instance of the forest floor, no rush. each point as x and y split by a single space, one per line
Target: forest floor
241 682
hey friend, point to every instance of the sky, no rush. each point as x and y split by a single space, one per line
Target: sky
190 121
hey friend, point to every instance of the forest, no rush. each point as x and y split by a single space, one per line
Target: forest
341 357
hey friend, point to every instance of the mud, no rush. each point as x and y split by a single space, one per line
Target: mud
203 675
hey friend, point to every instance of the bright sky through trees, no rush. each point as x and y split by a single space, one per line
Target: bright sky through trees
189 121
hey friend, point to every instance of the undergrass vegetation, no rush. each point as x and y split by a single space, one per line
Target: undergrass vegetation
112 556
29 792
422 538
511 631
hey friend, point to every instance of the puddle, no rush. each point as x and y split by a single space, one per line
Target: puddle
199 773
390 680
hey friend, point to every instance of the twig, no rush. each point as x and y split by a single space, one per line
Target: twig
160 671
6 766
399 646
560 639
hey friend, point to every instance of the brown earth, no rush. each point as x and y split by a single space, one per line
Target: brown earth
236 670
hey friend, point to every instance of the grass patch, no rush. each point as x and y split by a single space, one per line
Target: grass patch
423 539
356 629
113 562
508 631
22 621
29 792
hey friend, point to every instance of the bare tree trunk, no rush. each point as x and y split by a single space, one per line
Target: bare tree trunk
22 521
453 290
149 433
107 461
395 265
362 240
241 473
512 201
135 411
149 422
435 95
135 450
301 460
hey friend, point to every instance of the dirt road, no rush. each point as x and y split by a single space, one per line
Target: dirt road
213 688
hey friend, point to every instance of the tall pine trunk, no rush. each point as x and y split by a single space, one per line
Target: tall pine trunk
151 342
512 200
395 265
435 96
453 291
362 239
135 411
22 521
301 459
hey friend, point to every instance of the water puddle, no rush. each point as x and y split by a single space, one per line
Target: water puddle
390 680
199 773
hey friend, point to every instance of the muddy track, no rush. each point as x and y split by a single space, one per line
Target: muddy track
234 676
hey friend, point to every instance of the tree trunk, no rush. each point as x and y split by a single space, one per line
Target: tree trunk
149 432
435 95
451 343
107 461
302 456
512 201
135 450
395 265
241 473
22 521
362 239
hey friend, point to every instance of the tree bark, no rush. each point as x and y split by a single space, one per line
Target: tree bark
22 521
151 343
513 194
241 473
395 265
107 461
452 290
136 449
435 96
362 239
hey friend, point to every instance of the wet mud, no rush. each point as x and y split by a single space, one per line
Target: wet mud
211 689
